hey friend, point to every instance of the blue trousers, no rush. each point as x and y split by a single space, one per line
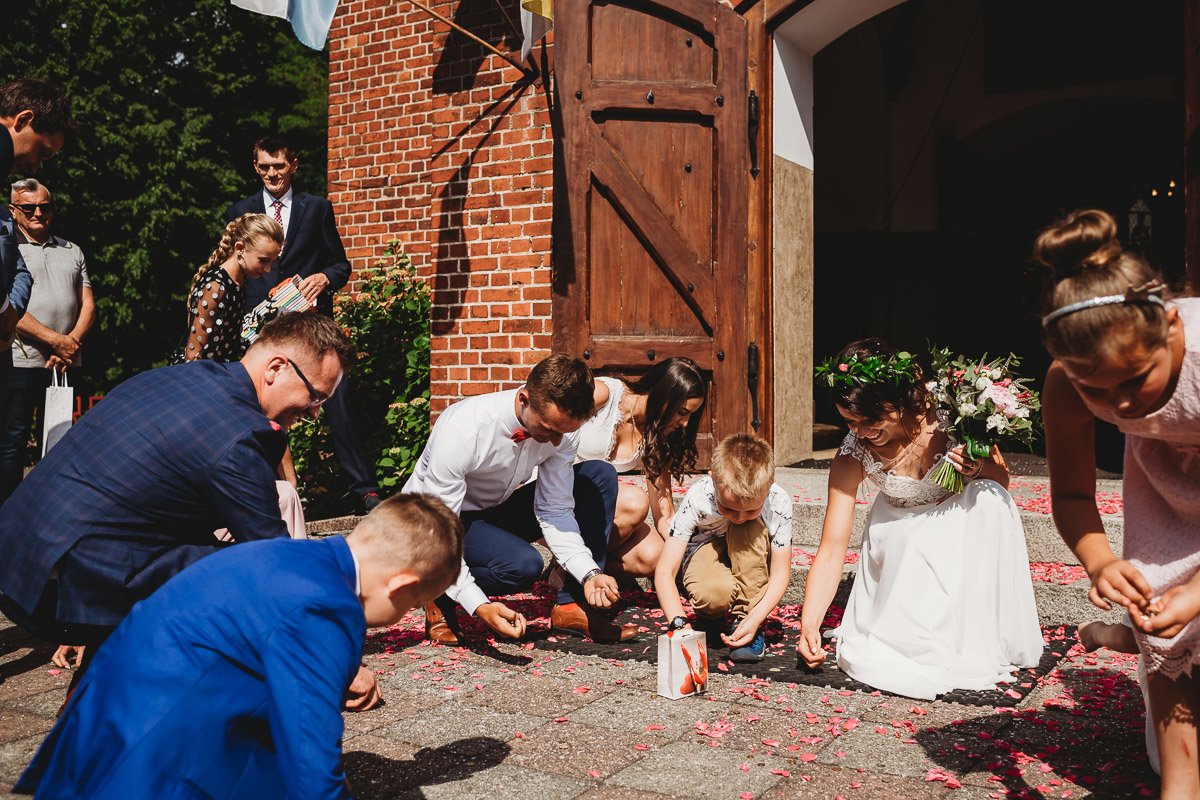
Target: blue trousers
497 547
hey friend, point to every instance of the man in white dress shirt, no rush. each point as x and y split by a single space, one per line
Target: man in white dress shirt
479 459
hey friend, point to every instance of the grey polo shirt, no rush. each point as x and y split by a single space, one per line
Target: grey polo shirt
59 273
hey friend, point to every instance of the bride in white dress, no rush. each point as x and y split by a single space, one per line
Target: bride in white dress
943 598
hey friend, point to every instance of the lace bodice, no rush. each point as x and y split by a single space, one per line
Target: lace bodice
899 490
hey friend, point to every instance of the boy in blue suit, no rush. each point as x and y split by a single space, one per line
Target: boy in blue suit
229 680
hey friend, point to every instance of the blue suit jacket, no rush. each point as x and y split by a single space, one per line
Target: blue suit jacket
134 491
228 682
312 245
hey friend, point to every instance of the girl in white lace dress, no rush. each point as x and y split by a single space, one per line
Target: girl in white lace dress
1126 355
650 425
943 598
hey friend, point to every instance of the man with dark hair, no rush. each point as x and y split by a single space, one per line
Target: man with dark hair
313 251
133 492
480 457
35 117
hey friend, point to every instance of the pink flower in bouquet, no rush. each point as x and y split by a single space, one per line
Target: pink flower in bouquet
1006 403
843 367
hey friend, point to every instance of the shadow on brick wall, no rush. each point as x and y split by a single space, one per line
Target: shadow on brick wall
452 256
497 22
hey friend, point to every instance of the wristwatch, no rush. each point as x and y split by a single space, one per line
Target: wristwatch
589 576
677 622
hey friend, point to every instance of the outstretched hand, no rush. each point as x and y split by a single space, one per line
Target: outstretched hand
1169 615
502 619
363 693
67 653
1119 582
742 635
809 647
601 591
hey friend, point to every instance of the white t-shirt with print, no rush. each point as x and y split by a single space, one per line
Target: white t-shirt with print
699 521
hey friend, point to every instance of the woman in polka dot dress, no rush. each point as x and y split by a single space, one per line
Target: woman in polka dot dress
217 302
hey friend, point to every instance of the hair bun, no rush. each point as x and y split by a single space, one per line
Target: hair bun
1081 240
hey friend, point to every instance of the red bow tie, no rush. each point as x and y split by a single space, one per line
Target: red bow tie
520 435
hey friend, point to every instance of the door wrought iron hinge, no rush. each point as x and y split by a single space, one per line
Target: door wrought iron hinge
752 371
754 115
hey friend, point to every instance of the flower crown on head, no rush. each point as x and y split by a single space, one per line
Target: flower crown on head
854 371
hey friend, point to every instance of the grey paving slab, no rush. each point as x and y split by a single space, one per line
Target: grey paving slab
14 757
715 772
541 696
398 705
453 721
582 751
631 710
379 768
826 782
507 781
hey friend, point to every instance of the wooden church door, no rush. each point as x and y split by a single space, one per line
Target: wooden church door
650 249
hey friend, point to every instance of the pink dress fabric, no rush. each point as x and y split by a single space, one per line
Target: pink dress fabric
1162 497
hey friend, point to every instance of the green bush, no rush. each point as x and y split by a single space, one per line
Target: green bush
389 323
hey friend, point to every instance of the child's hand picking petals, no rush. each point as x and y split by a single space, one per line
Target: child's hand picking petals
809 648
1173 611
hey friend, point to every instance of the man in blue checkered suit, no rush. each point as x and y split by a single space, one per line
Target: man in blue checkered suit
133 493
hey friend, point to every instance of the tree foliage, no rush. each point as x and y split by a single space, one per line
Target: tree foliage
169 98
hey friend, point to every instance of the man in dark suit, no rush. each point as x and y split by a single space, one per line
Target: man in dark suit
313 251
133 493
228 682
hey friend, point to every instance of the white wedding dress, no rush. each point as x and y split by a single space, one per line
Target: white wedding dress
943 598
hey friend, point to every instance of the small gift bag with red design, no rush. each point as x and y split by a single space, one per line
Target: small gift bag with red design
682 664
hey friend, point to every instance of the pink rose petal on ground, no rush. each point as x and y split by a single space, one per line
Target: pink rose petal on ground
518 735
746 795
840 753
807 757
595 773
560 719
655 727
744 767
582 689
54 672
782 772
722 667
771 742
642 747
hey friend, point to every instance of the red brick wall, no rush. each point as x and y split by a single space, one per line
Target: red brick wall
435 142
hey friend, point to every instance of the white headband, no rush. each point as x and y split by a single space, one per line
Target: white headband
1146 293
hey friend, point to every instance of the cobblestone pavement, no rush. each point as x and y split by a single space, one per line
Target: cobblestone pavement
520 721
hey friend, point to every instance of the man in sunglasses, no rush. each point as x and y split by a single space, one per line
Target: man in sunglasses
60 313
133 492
35 117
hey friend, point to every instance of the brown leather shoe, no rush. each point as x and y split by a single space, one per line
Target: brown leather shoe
572 620
437 628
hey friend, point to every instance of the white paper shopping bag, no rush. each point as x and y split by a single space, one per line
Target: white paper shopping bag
682 664
60 407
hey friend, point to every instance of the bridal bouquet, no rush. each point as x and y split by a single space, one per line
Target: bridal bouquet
987 403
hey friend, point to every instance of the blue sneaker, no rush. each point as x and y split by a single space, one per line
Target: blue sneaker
750 653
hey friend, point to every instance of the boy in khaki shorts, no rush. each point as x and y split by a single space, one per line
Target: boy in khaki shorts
732 536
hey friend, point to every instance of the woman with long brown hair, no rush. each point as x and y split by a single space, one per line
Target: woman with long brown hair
650 425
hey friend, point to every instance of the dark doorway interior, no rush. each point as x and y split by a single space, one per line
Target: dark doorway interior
947 134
